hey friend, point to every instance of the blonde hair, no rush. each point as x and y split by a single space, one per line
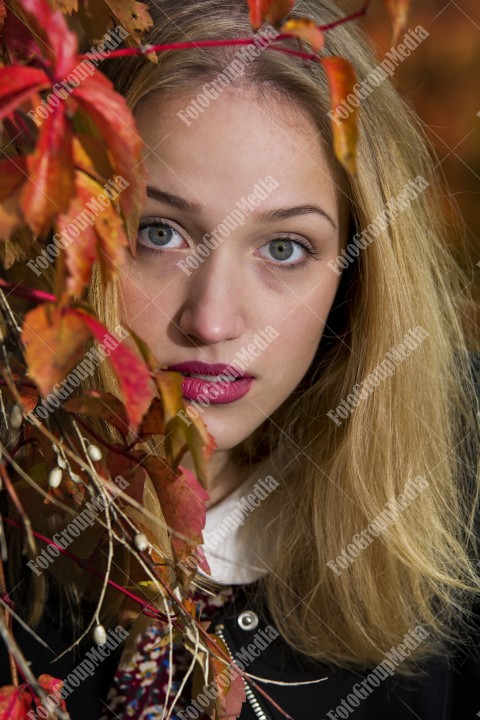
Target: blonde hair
420 569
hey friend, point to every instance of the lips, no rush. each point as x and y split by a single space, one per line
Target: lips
226 385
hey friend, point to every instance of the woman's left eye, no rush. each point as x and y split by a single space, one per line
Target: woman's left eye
158 235
286 251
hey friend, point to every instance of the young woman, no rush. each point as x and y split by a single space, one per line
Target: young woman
319 324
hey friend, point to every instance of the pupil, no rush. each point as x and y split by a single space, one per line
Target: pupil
282 249
160 234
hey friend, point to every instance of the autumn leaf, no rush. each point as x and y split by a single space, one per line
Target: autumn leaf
116 124
183 502
58 43
153 422
102 405
398 10
132 373
50 184
231 691
55 341
52 686
17 83
13 174
15 702
271 11
305 29
103 238
133 16
341 80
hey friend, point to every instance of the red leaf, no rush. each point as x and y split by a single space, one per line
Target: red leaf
17 83
115 122
52 686
305 29
15 702
183 501
132 373
154 421
231 694
341 79
58 43
50 186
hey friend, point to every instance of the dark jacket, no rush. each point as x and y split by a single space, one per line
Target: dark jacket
449 688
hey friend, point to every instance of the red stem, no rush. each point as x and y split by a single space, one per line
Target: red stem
29 293
147 609
123 52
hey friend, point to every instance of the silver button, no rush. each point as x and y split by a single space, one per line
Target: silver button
248 620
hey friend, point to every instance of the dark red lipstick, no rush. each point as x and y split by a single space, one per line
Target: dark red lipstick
226 385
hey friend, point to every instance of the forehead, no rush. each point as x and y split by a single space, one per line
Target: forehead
222 150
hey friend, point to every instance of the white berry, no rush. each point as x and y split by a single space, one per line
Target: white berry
55 477
99 635
94 453
140 541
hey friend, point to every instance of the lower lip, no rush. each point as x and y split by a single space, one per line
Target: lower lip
216 392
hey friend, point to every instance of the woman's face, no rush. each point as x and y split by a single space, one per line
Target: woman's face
256 293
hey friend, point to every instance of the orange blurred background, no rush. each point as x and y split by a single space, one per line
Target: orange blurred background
441 79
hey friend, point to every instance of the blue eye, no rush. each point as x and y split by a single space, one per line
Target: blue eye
286 251
158 234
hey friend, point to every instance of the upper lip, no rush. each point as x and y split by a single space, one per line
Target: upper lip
196 367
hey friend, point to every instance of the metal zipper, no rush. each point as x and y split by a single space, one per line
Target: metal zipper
254 704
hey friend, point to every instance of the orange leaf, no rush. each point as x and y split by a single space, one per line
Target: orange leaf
271 11
101 405
398 10
116 124
55 342
12 177
51 183
305 29
133 16
341 80
15 702
102 238
132 373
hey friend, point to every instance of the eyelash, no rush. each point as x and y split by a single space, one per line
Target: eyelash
311 253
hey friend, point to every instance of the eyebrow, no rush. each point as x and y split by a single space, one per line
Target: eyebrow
270 215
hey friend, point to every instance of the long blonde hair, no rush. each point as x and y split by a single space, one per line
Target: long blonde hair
420 569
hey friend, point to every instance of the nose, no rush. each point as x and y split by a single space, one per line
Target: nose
213 309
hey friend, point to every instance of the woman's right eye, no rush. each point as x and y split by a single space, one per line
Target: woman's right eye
158 234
